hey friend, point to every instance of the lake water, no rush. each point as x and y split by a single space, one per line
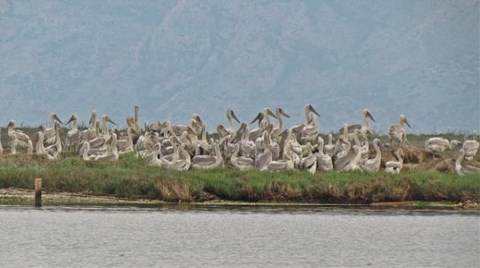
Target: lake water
236 237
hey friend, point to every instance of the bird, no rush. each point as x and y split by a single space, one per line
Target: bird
395 166
461 168
439 145
18 138
324 161
208 161
50 132
329 147
72 139
398 131
112 152
470 146
373 165
241 162
366 115
230 117
54 151
262 159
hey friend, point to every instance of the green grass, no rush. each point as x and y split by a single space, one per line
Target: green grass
131 178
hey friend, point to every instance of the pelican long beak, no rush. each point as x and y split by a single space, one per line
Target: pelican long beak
369 115
406 122
310 108
280 110
235 117
70 120
258 117
57 119
270 113
110 120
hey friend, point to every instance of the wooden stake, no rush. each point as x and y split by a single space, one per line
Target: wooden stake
38 192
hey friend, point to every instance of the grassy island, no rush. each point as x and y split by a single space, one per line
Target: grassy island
131 178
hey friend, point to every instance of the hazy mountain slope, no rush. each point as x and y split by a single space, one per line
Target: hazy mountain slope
174 58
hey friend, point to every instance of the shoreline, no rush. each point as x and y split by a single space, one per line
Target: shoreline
25 197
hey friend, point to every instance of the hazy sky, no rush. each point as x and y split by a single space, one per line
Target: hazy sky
176 58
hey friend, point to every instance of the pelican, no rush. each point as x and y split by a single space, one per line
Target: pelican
263 159
366 115
398 131
240 162
324 161
263 119
39 147
125 145
54 150
247 147
309 131
286 164
101 140
181 158
50 132
439 145
470 147
85 152
463 169
395 166
309 160
230 116
351 160
373 165
280 114
208 161
112 152
92 131
329 147
72 139
18 138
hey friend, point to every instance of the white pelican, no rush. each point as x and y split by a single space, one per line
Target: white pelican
280 114
112 152
309 160
309 131
39 147
50 132
366 115
395 166
399 131
373 164
264 158
181 158
240 162
208 161
18 138
324 161
85 152
439 145
72 139
463 169
470 147
92 131
231 116
54 150
329 147
247 147
125 145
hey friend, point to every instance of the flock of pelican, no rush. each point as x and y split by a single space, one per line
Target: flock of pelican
267 146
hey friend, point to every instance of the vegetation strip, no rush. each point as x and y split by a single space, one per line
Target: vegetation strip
131 178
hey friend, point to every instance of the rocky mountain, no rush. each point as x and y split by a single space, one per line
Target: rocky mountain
176 58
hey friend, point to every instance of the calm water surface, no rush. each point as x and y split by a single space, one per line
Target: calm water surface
238 237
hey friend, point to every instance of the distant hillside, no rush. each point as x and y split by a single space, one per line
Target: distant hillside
176 58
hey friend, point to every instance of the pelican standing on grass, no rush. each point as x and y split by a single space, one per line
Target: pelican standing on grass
72 139
18 138
470 146
439 145
50 132
399 132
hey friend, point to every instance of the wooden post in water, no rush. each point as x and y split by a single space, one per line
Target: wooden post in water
38 192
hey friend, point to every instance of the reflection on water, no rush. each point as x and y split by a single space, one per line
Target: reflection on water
236 236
